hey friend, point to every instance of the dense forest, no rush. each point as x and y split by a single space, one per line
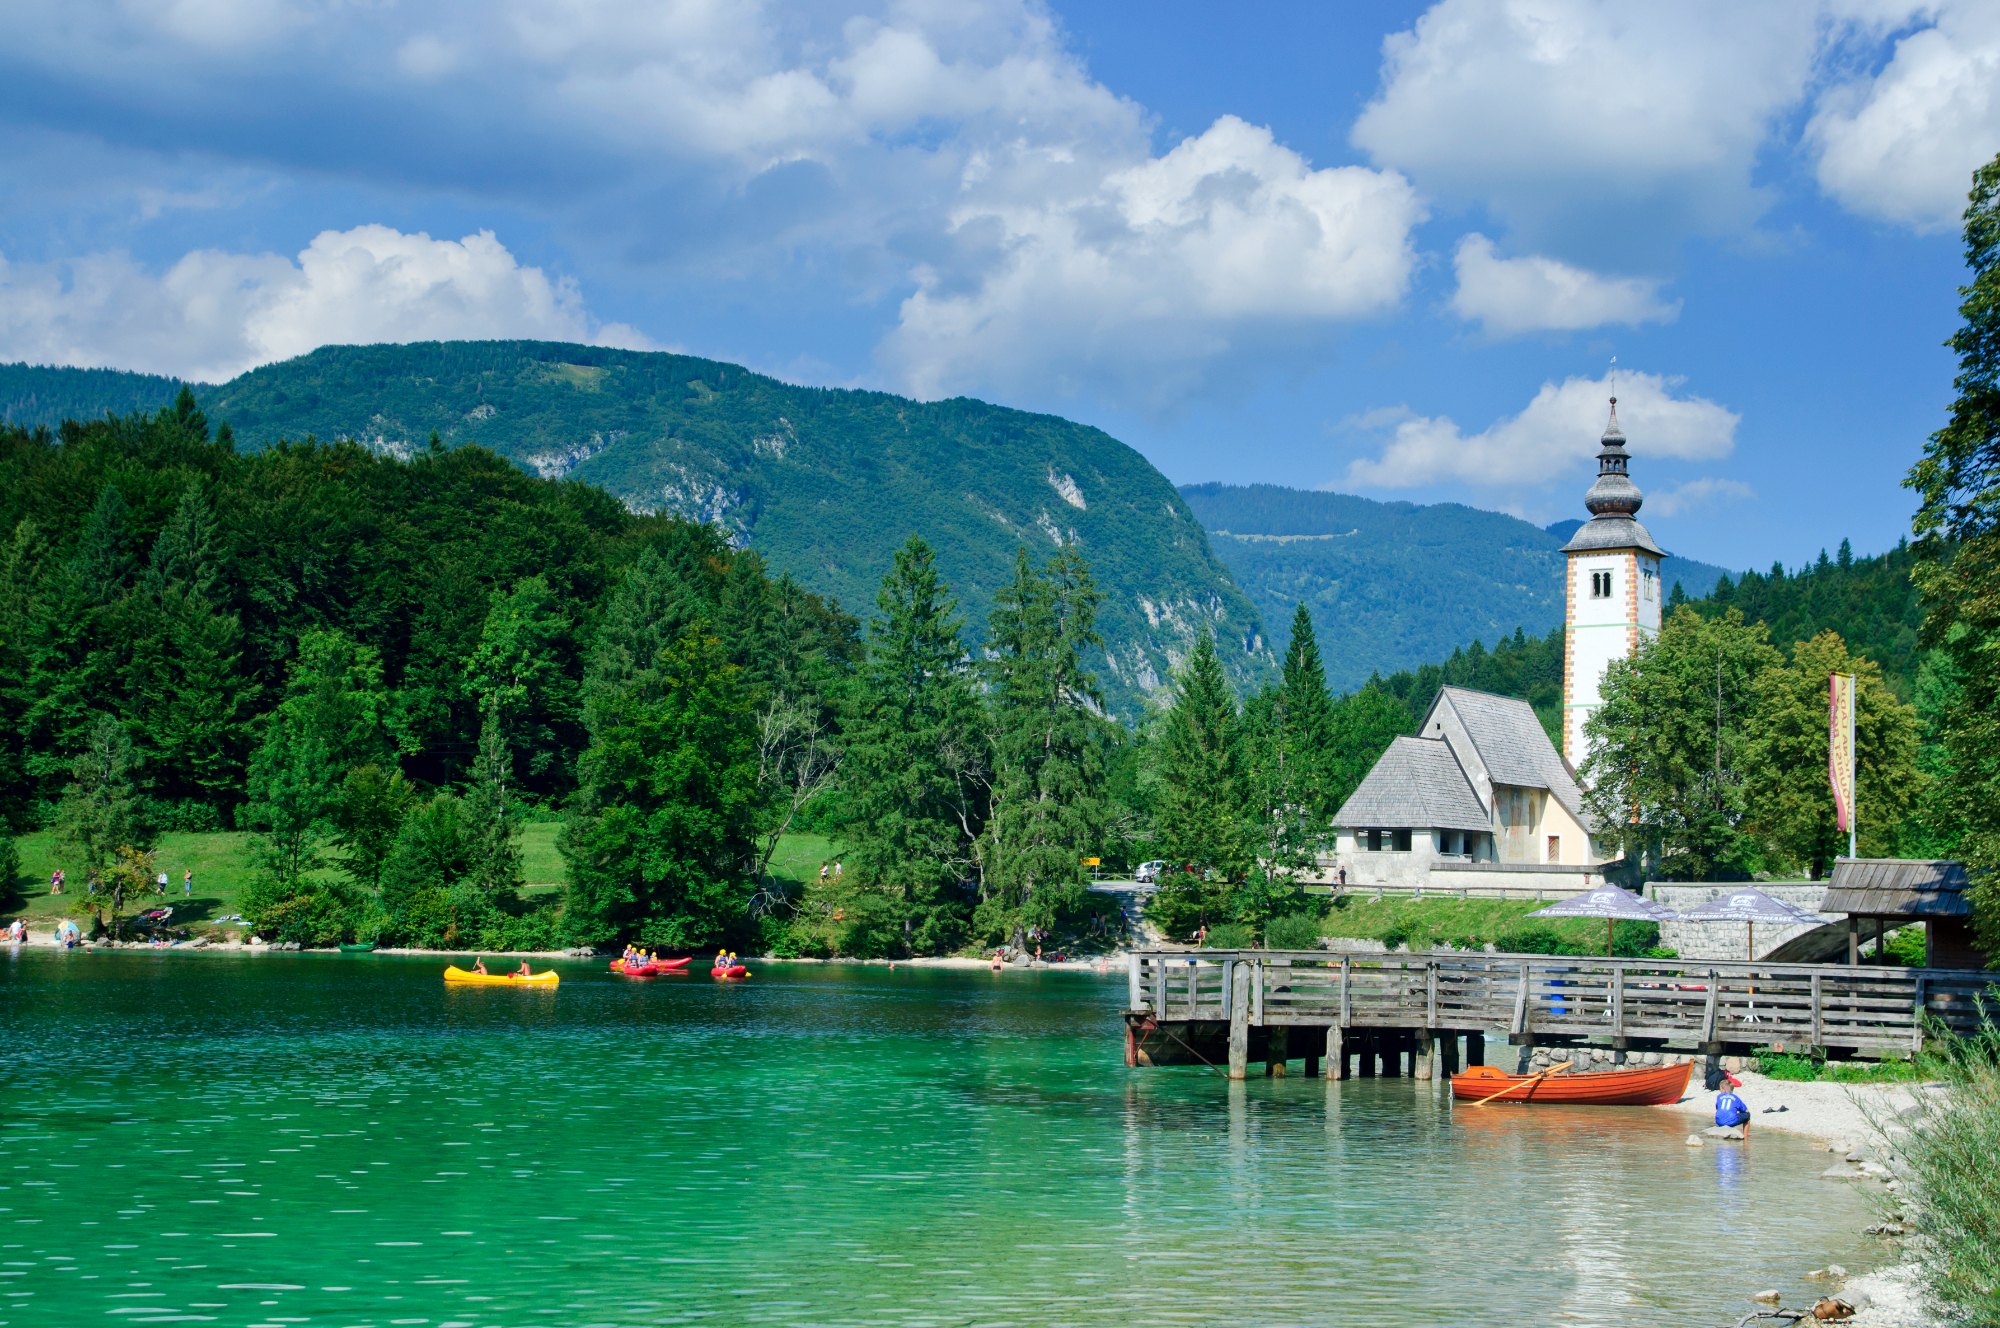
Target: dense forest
824 483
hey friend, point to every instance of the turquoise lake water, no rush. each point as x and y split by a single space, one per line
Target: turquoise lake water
320 1140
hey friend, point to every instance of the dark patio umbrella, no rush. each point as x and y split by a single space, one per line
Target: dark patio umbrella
1612 904
1750 906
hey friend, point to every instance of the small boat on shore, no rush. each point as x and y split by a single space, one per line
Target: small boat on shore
1654 1086
654 969
453 973
365 947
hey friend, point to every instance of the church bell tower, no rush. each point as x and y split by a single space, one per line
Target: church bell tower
1613 601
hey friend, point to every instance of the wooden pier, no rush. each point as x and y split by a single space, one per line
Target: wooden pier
1366 1012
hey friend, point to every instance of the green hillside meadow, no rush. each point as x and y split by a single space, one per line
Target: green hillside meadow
1392 586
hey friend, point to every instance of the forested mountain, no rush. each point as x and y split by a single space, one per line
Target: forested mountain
824 483
38 394
1392 586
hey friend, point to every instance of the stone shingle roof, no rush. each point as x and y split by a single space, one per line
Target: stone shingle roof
1612 532
1416 784
1514 745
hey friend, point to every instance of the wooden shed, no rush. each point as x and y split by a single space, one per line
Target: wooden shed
1899 892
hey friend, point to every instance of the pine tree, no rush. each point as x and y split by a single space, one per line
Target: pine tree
188 694
100 812
494 821
74 670
1049 746
1203 826
919 767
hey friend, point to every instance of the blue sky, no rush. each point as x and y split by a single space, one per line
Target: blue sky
1388 249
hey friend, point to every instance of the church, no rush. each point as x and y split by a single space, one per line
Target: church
1480 796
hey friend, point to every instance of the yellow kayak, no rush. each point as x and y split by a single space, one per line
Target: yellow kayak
453 973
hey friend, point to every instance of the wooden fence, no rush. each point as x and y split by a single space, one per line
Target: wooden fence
1868 1010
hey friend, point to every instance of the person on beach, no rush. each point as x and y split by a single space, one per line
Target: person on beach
56 881
17 932
187 884
1729 1108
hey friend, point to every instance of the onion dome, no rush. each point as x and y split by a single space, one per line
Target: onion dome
1614 501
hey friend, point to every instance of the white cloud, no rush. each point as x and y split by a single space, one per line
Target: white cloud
1902 146
1696 495
1567 115
1152 271
214 314
1607 132
1554 437
1535 294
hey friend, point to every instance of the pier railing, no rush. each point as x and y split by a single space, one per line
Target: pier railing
1558 997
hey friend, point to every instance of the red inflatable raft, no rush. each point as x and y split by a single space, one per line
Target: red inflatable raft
734 971
652 969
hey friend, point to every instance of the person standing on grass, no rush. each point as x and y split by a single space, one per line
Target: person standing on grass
187 884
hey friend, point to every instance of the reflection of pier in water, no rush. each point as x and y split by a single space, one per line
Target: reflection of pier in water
1370 1015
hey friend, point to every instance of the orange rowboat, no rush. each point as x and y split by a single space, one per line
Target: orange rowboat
1618 1088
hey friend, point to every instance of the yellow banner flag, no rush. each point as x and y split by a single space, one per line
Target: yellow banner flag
1840 746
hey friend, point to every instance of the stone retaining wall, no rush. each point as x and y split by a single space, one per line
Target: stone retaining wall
1730 940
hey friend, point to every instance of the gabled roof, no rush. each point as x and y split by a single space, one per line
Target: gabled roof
1513 745
1891 887
1417 783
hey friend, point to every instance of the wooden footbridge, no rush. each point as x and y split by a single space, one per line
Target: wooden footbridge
1364 1012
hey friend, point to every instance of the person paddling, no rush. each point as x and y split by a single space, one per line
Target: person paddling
479 966
523 971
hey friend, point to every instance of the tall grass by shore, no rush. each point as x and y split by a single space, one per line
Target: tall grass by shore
1950 1160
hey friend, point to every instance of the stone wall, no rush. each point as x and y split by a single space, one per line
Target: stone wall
1730 940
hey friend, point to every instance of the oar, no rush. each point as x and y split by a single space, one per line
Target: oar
1529 1082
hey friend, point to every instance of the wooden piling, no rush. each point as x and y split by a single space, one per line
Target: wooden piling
1392 1054
1336 1054
1275 1051
1450 1054
1420 1054
1370 1046
1239 1021
1475 1049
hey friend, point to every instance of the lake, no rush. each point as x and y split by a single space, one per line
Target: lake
320 1140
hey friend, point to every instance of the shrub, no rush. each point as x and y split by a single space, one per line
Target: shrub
10 862
186 816
1532 938
1795 1069
1231 936
1293 931
312 915
1948 1161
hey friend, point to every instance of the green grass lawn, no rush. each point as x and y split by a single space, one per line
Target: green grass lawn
223 866
1418 922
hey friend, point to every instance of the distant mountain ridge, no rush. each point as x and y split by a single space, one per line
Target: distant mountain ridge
824 483
1393 586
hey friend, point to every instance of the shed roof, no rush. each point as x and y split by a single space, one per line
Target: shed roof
1417 783
1897 887
1511 741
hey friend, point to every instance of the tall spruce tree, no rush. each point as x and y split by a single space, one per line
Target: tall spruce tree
1050 742
188 693
1958 574
919 768
1204 827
